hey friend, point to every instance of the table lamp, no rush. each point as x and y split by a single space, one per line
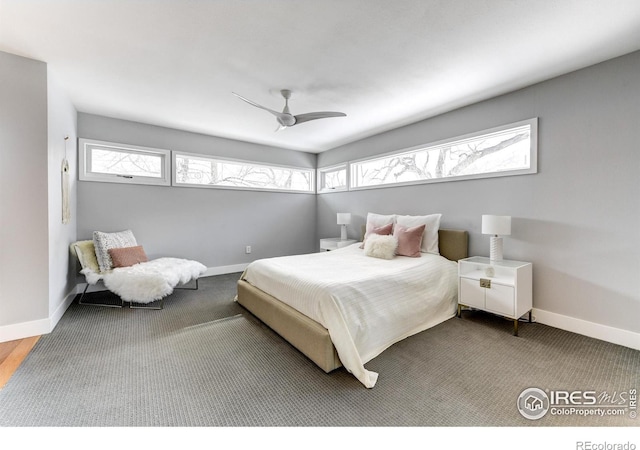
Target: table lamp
344 219
496 226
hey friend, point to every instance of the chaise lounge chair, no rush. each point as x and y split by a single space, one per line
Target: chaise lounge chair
116 260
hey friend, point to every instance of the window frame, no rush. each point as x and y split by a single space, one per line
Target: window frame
533 157
322 171
174 182
85 146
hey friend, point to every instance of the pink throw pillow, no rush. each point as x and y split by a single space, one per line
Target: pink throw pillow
409 240
384 230
127 256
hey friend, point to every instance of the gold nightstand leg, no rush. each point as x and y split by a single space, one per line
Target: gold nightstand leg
515 327
459 310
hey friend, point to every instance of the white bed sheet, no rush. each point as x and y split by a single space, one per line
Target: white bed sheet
367 304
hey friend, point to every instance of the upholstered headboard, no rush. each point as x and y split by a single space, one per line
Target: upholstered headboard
453 244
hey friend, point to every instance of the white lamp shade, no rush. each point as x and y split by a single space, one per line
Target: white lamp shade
496 225
344 218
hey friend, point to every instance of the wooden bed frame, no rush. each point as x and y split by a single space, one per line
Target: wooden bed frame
307 335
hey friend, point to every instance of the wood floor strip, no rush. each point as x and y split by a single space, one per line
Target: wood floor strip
6 348
15 358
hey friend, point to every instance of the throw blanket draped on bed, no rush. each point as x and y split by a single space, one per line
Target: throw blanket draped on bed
367 304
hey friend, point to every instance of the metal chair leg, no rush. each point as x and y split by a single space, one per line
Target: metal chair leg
108 305
131 305
189 288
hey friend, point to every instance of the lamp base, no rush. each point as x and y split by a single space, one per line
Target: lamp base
495 250
343 232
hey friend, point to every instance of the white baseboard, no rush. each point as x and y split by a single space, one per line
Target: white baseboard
24 330
595 330
223 270
60 310
36 327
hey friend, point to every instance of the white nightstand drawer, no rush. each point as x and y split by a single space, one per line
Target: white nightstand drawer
472 293
499 299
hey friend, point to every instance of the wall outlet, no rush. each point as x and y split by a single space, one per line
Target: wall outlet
247 249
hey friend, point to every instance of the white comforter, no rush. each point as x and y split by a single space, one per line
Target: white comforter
367 304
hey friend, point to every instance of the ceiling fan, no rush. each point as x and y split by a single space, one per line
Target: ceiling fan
285 118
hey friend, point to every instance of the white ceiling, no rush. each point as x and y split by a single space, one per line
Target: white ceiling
175 63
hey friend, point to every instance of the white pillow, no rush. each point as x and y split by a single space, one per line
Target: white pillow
378 220
431 224
380 246
104 241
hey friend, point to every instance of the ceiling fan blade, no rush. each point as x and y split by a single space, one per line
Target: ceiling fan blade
300 118
275 113
285 118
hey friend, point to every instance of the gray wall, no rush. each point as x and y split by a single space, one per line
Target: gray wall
577 219
212 226
24 262
62 118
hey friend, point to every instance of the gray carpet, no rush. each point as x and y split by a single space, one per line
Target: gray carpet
204 361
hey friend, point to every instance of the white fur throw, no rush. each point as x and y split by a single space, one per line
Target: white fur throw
380 246
148 281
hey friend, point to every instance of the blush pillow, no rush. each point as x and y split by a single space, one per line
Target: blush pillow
378 220
430 236
409 240
379 246
382 231
127 256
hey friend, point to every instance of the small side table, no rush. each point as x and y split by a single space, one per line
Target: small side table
329 244
500 287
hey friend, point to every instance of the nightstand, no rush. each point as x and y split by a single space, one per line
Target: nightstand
329 244
499 287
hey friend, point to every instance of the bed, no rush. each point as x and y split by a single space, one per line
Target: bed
338 316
